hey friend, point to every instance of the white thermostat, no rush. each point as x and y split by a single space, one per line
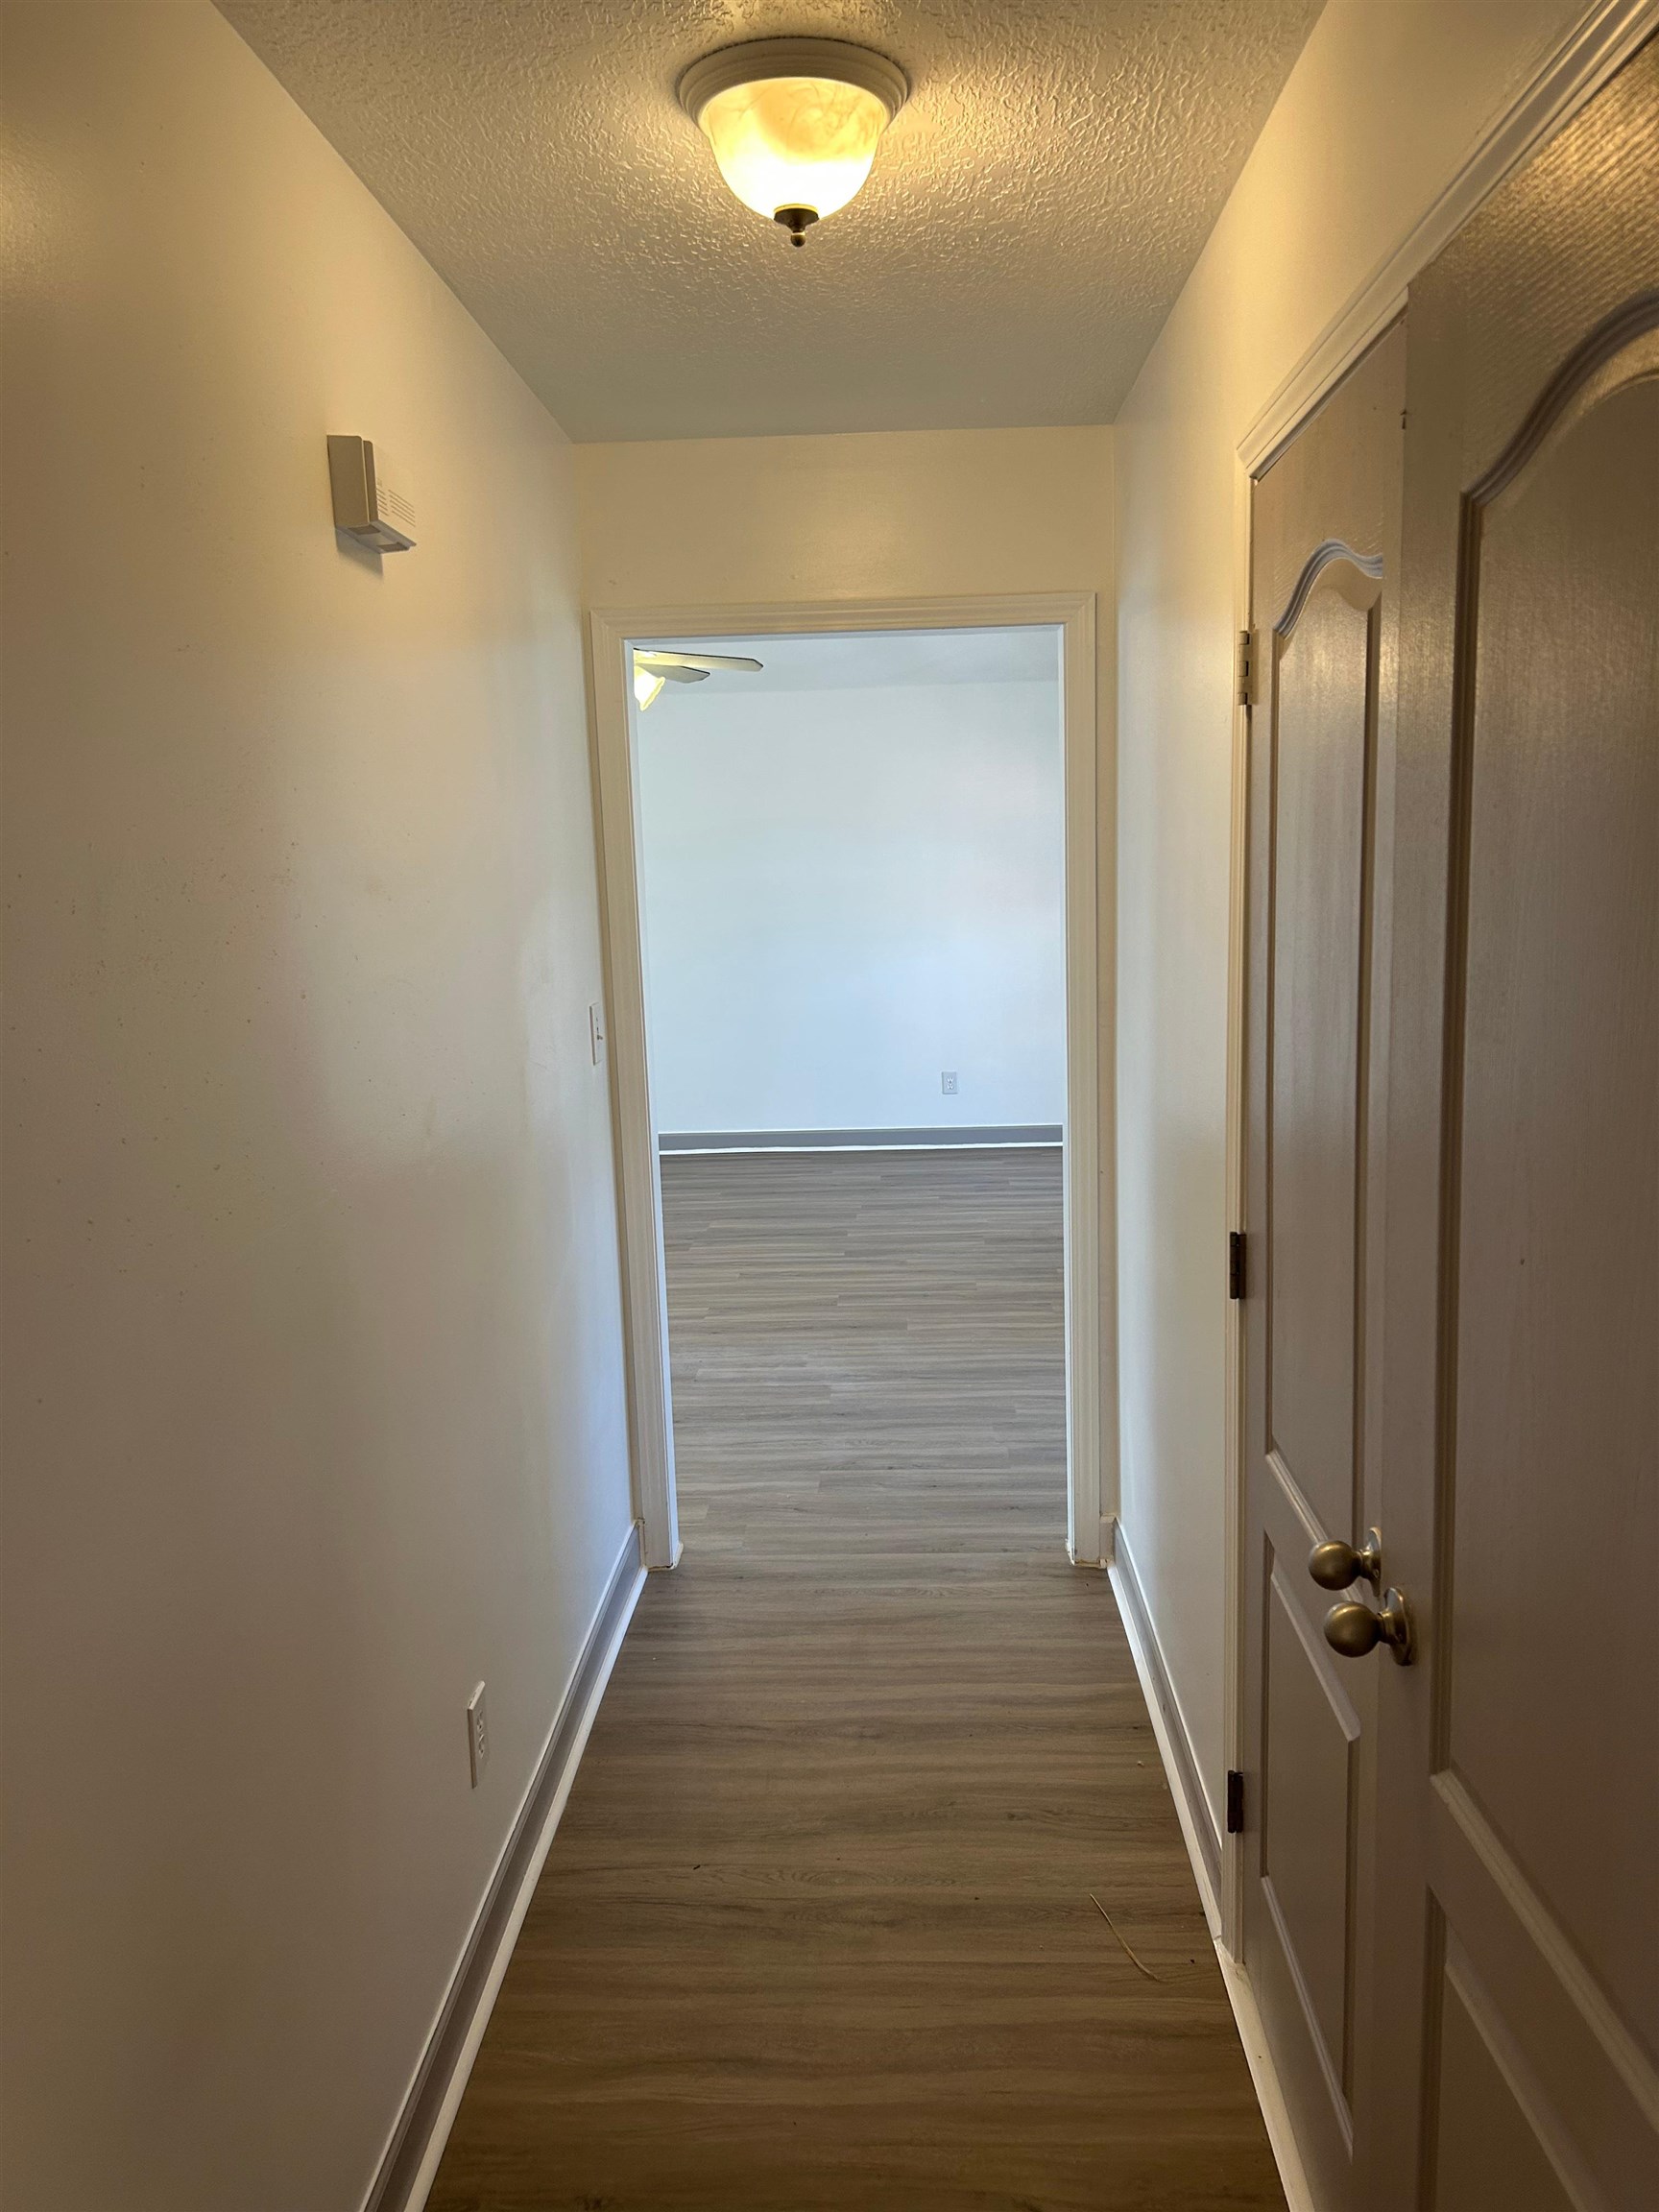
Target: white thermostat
372 499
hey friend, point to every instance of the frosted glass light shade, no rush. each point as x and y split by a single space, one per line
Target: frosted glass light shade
794 141
794 123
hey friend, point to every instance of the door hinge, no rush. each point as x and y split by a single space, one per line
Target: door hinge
1246 667
1235 1263
1235 1802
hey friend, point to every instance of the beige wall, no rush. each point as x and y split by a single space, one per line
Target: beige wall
1376 116
881 514
313 1380
872 514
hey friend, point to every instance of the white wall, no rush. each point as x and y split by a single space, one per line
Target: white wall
847 891
724 521
313 1386
1376 116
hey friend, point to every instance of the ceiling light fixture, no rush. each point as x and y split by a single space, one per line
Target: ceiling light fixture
794 121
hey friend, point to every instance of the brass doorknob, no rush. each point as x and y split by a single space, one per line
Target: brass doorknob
1334 1565
1354 1629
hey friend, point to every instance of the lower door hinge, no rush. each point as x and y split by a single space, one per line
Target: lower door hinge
1235 1263
1235 1802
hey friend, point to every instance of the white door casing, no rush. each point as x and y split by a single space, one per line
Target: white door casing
1090 1438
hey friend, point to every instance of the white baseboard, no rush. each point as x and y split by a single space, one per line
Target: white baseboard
979 1137
1265 2074
1174 1742
1193 1810
410 2164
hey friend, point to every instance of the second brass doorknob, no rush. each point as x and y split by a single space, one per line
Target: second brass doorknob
1354 1629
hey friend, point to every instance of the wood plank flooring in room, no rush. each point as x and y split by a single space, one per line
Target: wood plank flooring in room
816 1928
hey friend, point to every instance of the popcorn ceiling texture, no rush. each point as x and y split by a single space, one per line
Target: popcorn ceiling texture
1030 219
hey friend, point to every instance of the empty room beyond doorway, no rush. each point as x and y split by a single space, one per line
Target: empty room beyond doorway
852 888
851 876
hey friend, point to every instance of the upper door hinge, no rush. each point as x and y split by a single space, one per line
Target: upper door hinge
1235 1802
1246 667
1235 1263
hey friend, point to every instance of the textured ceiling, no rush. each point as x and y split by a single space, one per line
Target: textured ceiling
1029 221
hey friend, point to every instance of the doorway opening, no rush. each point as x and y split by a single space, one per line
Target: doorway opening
851 926
852 909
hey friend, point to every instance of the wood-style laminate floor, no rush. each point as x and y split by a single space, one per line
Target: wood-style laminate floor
816 1926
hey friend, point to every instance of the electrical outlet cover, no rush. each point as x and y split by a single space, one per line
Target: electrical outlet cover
948 1082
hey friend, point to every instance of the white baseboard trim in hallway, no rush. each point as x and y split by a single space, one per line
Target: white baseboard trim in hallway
1265 2074
1198 1822
1193 1810
410 2164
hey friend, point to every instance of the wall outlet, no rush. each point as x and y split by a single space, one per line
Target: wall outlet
478 1734
948 1082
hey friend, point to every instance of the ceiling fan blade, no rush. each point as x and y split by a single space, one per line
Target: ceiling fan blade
676 672
660 664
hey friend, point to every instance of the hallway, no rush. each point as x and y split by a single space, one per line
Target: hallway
816 1928
581 583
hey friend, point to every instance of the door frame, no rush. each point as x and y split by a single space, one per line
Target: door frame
1567 76
1092 1502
